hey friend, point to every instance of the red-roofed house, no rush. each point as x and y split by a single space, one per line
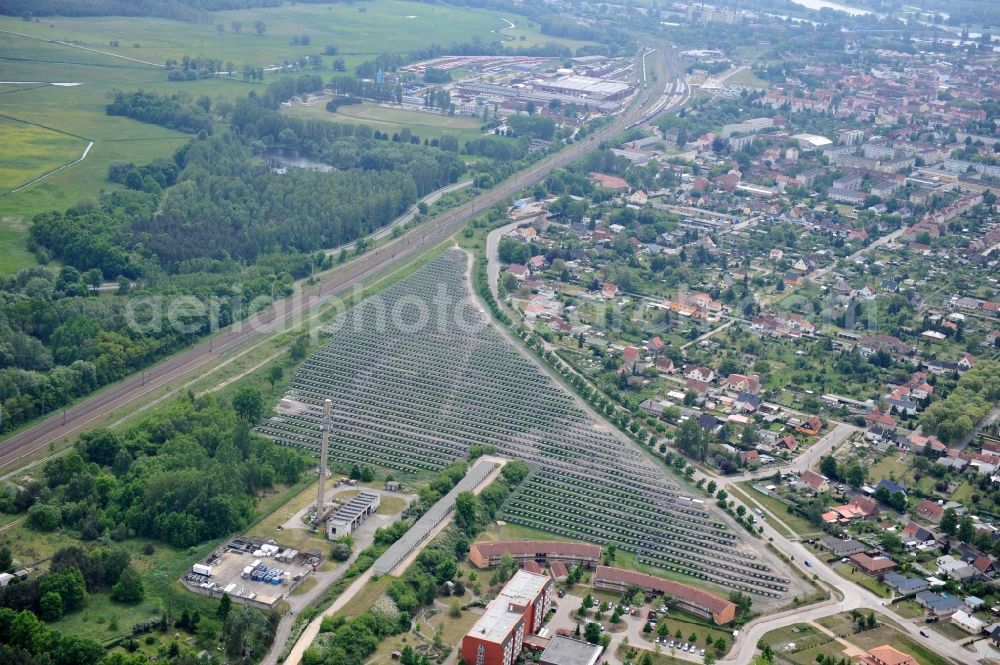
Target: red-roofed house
517 270
608 181
887 655
699 373
743 383
814 481
788 443
631 356
930 510
871 566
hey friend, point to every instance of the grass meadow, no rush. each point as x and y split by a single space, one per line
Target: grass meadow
387 119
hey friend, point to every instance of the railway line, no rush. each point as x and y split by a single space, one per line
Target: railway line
283 313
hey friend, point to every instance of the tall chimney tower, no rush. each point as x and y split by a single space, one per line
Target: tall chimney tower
326 427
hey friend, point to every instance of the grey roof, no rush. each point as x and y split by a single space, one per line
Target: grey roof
905 585
400 549
938 603
565 651
358 504
841 547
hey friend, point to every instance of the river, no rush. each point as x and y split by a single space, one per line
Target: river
826 4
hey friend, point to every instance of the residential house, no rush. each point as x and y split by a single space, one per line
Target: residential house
787 442
699 373
748 402
700 388
665 365
872 566
811 427
891 486
968 622
814 481
939 605
915 534
905 586
744 383
887 655
840 547
930 510
520 272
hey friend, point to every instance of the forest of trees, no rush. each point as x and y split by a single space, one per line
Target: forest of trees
187 474
166 110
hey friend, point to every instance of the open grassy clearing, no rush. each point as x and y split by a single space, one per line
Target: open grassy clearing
868 582
747 78
750 500
780 510
28 151
526 33
387 119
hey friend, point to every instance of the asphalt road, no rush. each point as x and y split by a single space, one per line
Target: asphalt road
337 281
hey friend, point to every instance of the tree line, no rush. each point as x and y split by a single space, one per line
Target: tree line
166 110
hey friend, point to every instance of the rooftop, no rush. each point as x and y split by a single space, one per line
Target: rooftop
500 619
358 504
566 651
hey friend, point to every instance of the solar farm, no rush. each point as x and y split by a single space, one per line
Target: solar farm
417 375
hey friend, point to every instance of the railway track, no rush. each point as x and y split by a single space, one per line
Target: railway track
88 412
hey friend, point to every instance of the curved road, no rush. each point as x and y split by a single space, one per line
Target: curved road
282 313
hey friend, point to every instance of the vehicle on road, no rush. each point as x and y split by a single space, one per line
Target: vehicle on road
808 565
923 633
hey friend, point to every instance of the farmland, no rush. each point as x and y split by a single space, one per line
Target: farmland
397 405
108 53
358 30
29 151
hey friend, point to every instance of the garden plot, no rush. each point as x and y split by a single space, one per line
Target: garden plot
416 376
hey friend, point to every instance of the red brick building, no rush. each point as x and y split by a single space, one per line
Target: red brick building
698 602
487 555
517 611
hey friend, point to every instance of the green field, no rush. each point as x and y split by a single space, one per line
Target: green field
108 53
367 29
387 119
28 151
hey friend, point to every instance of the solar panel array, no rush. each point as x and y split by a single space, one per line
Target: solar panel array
412 390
